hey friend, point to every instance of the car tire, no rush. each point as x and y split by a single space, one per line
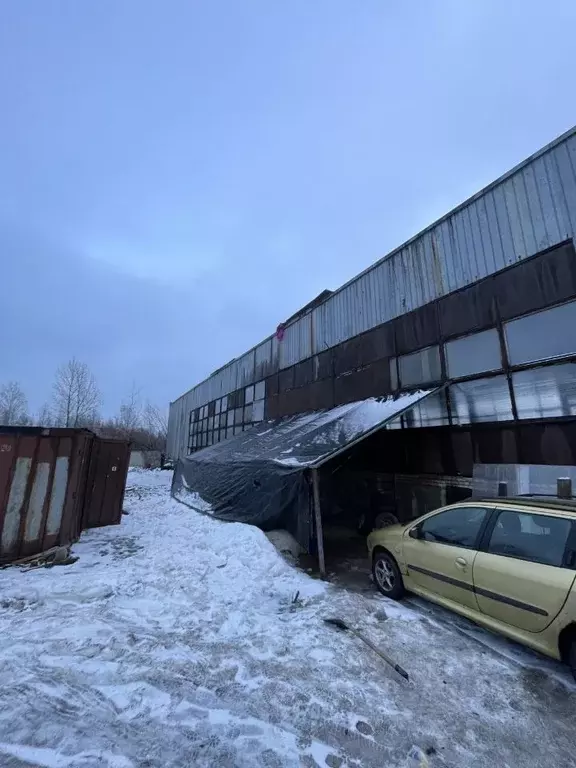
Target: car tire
384 519
386 574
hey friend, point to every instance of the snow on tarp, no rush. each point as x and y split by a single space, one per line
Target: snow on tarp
258 476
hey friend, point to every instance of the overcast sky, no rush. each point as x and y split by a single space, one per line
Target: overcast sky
178 177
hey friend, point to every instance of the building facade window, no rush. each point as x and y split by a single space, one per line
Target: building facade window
420 367
477 353
542 336
481 400
258 411
545 393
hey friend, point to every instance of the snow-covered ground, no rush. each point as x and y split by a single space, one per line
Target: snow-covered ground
174 641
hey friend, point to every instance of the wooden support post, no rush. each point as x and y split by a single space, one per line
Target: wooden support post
318 519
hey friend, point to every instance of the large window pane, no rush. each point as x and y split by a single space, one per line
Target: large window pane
456 527
431 412
238 414
538 538
260 390
258 411
249 397
543 335
247 414
542 393
481 400
473 354
420 367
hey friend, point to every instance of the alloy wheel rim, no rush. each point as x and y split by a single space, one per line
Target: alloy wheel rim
384 575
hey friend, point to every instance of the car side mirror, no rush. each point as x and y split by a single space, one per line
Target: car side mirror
414 533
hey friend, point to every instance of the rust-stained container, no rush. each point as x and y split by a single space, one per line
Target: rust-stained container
47 480
109 462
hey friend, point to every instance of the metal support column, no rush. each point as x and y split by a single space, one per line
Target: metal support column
318 519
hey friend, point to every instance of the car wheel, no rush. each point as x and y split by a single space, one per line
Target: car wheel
384 519
387 576
572 657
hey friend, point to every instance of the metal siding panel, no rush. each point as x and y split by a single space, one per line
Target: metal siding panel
433 280
567 175
464 262
547 202
410 287
494 225
448 253
525 221
515 219
504 225
536 211
487 236
471 229
245 373
296 344
558 196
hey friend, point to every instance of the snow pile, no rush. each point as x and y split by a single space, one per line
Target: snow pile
178 640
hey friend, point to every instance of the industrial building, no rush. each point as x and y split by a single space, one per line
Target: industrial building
477 313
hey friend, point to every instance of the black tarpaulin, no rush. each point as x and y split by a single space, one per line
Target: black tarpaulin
259 476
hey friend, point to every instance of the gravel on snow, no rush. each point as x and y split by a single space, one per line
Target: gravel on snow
174 641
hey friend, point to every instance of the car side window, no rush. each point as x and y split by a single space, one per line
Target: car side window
459 527
538 538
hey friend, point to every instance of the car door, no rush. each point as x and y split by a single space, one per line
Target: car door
526 571
440 559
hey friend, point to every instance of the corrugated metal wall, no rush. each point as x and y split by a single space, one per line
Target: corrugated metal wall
54 483
531 208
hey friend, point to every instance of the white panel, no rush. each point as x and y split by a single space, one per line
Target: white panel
37 498
15 501
57 496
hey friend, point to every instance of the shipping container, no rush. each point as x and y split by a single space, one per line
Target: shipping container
55 482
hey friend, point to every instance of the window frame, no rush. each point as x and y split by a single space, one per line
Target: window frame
422 382
538 360
568 547
462 339
480 536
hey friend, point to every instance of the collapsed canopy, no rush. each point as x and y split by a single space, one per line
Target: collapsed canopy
258 476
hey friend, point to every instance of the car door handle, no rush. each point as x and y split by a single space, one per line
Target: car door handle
460 562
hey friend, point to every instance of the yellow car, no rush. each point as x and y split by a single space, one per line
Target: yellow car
508 564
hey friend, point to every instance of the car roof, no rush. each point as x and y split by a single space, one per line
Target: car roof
549 504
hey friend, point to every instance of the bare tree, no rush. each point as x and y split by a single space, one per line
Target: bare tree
76 397
156 420
45 416
129 420
13 405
